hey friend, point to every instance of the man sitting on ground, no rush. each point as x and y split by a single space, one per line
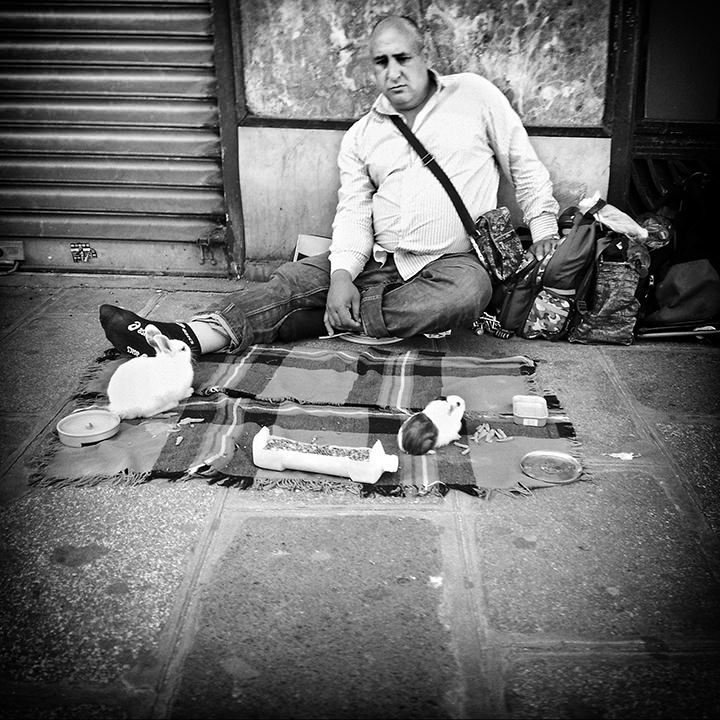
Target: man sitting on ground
400 262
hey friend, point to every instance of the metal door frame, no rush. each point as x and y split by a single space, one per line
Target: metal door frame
632 135
225 17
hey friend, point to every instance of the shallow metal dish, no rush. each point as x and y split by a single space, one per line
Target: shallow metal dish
551 466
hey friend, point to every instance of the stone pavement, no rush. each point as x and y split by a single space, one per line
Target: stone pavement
167 600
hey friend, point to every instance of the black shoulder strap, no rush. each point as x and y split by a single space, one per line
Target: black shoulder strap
439 173
601 243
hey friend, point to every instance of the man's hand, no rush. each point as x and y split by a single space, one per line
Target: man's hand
542 247
342 308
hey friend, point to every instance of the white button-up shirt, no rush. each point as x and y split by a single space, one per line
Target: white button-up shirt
390 202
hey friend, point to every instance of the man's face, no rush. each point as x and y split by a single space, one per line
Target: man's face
401 72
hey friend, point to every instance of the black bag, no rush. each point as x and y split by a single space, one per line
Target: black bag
493 236
689 293
682 291
539 300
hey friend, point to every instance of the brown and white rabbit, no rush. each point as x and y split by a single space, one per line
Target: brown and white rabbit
435 426
145 386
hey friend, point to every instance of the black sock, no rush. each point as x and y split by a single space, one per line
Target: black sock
126 331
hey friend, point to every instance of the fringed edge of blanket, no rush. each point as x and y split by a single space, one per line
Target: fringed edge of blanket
331 484
327 485
50 443
90 374
38 479
567 431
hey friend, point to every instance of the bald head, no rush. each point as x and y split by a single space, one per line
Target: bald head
399 63
402 25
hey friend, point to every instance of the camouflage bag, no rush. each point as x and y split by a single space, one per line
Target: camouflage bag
497 244
548 316
612 312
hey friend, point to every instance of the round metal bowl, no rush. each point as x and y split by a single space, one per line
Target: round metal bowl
85 427
551 466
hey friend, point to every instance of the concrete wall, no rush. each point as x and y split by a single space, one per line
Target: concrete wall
289 183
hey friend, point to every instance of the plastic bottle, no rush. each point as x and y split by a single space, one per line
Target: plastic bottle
340 464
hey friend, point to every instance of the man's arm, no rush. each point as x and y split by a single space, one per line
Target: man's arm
520 164
352 239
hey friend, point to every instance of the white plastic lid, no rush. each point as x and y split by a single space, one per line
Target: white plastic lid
529 406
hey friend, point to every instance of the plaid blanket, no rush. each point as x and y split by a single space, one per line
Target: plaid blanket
344 398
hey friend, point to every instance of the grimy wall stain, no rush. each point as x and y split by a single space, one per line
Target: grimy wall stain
307 59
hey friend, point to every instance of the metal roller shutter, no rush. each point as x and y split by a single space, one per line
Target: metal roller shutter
110 156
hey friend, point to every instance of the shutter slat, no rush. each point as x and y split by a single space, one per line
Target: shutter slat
169 113
135 199
120 141
165 19
89 226
52 49
119 171
104 81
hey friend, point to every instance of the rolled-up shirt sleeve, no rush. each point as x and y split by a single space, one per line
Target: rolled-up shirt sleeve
352 236
520 164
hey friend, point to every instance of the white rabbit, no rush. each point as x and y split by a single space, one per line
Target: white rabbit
437 425
145 386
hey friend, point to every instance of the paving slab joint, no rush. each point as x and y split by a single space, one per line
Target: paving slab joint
164 677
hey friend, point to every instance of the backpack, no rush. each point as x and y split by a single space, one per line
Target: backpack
540 299
607 310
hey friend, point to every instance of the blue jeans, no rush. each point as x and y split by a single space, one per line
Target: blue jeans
449 292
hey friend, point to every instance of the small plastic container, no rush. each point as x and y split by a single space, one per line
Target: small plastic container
530 410
87 427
